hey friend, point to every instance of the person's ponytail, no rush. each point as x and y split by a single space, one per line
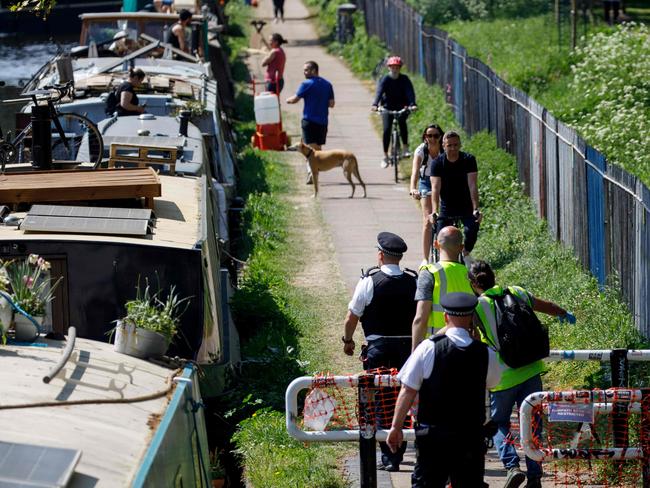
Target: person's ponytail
136 73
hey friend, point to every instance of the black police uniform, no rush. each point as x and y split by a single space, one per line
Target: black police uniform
451 412
386 323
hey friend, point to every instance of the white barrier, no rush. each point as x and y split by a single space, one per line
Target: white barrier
306 382
602 400
602 355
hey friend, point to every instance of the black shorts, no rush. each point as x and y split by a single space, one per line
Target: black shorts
270 85
313 133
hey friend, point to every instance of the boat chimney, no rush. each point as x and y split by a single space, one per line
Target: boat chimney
185 119
41 137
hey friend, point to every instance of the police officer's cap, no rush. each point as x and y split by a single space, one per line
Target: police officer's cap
458 303
391 244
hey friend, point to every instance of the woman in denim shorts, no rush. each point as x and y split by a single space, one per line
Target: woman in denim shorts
430 148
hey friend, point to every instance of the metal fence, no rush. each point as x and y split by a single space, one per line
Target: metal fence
597 209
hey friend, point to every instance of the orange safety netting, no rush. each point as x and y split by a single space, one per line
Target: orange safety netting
329 406
583 452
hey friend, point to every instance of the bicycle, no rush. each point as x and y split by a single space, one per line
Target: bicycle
75 138
395 141
456 221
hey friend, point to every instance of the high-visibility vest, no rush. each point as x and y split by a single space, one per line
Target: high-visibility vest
485 310
448 277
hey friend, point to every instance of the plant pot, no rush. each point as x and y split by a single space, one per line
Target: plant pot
24 329
218 483
138 342
6 314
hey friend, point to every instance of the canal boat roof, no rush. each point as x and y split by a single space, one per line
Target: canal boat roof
113 437
177 220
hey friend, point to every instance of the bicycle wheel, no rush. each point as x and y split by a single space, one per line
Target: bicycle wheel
84 142
394 154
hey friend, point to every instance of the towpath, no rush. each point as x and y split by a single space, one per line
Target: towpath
352 223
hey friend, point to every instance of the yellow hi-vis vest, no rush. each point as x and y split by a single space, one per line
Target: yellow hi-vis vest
448 277
510 377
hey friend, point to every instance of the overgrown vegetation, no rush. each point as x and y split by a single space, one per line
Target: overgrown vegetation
601 89
437 12
610 97
516 242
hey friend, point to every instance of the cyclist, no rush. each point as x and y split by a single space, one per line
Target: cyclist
454 191
430 148
394 92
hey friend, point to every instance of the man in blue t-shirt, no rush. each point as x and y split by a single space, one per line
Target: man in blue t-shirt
318 95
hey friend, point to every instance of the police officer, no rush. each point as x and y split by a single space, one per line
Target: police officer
383 301
436 280
451 372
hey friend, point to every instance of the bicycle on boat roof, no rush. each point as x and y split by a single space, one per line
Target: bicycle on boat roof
74 137
395 149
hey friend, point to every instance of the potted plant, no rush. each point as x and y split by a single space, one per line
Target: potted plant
217 471
150 323
31 291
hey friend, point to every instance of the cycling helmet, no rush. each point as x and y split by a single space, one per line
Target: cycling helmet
394 61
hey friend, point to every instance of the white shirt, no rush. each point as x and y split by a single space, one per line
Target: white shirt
365 289
419 365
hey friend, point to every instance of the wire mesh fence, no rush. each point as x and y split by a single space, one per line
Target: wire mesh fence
596 208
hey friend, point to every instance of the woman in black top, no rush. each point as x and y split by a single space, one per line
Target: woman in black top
176 35
128 100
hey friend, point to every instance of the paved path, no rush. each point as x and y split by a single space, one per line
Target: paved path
353 224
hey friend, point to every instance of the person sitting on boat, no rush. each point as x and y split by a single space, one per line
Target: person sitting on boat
122 44
128 100
176 35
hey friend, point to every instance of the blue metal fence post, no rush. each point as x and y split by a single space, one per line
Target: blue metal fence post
596 213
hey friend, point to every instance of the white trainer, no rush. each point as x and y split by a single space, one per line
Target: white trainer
384 162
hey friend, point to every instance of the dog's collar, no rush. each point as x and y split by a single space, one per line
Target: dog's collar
310 153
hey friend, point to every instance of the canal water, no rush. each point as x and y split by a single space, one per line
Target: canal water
20 59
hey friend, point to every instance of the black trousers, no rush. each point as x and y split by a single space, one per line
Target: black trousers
278 8
388 125
388 353
470 229
443 455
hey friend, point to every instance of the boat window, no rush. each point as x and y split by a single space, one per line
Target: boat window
102 31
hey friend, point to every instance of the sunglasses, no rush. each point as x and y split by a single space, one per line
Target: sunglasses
435 136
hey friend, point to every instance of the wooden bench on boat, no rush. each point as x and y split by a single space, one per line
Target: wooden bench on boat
143 155
77 186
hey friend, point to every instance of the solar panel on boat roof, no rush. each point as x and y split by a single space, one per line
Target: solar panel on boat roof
36 466
84 225
91 212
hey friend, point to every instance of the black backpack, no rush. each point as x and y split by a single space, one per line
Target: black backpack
522 337
112 101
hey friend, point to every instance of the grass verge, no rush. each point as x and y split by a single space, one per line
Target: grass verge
515 241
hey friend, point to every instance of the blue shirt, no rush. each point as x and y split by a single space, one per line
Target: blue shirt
317 93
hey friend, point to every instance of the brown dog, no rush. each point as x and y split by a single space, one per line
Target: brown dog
326 160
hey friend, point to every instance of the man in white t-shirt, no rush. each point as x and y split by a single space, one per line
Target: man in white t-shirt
451 372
